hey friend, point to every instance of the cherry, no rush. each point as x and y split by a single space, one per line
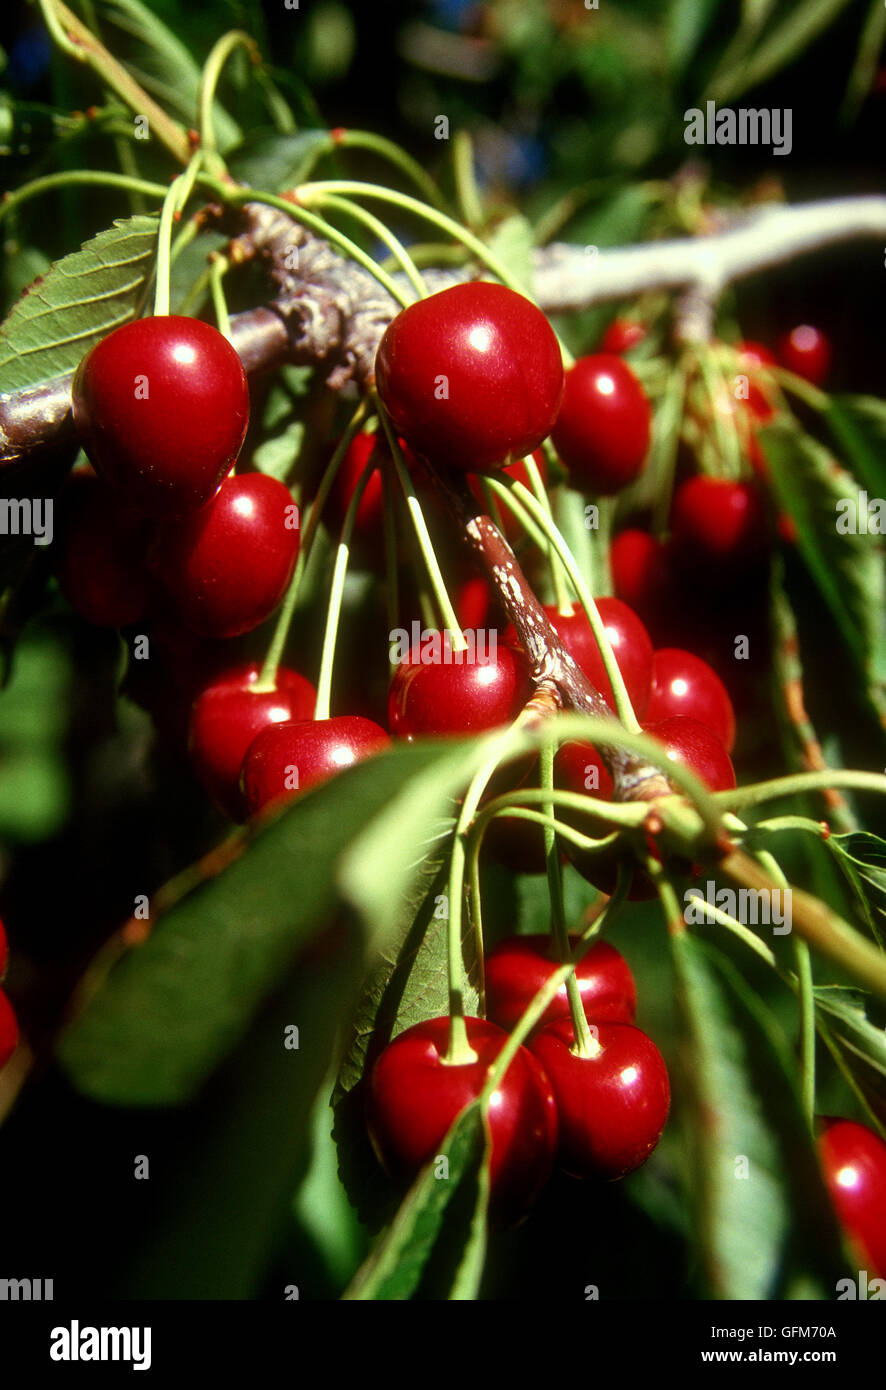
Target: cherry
285 759
161 405
630 642
687 741
603 429
622 335
472 376
755 354
414 1097
806 352
519 966
578 767
228 715
718 526
752 356
612 1107
684 685
227 566
487 688
853 1159
101 569
643 577
9 1030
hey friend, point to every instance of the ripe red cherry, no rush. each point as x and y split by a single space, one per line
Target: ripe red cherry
227 566
101 568
806 352
579 768
751 357
719 527
414 1098
520 965
228 715
853 1159
472 376
685 686
285 759
687 741
603 429
630 642
450 697
612 1107
9 1030
161 406
622 335
755 354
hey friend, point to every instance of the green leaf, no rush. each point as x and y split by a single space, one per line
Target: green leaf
782 44
686 23
81 298
440 1229
513 241
160 62
859 426
846 567
862 857
172 1009
741 1089
274 162
861 1036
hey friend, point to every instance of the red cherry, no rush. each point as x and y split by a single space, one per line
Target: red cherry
806 352
612 1107
285 759
227 567
683 685
853 1159
414 1098
520 965
719 526
472 376
101 569
603 429
579 768
4 950
228 715
642 574
9 1030
630 642
452 697
622 335
161 405
687 741
755 354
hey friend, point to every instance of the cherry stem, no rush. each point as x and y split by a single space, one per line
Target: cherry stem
758 792
219 54
380 230
666 444
378 144
562 597
75 177
805 994
392 578
267 679
585 1044
425 544
467 194
336 594
177 196
729 449
218 268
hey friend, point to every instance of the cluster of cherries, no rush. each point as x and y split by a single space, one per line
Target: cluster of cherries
597 1114
472 379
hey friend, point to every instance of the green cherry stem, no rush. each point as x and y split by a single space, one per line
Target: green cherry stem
387 149
585 1044
267 679
178 194
218 268
219 54
422 535
758 792
622 699
72 178
470 204
336 594
384 234
805 994
562 597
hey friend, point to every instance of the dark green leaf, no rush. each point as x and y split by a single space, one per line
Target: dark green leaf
855 1028
274 162
211 961
862 857
846 567
686 23
441 1225
740 1084
859 426
81 298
